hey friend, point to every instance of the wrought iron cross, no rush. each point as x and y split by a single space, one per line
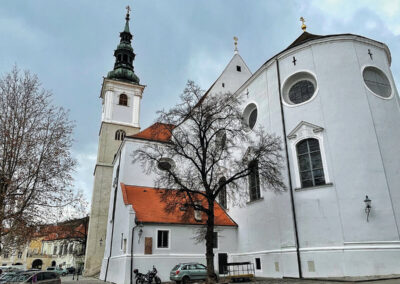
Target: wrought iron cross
128 9
294 60
370 53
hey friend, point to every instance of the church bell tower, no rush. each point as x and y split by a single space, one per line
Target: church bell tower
120 95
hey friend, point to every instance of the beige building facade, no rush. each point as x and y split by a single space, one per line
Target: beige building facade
121 94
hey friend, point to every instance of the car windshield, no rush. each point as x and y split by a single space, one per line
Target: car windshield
7 276
20 277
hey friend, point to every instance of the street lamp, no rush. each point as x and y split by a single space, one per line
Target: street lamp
367 206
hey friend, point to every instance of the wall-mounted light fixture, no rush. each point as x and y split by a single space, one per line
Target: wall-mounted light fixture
367 206
140 232
101 241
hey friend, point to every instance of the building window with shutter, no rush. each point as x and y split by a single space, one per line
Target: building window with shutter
254 181
162 239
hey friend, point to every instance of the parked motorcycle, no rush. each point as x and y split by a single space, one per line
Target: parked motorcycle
148 277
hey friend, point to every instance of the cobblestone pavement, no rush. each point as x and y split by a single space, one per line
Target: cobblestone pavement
86 280
306 281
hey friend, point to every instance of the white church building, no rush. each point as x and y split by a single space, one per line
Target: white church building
333 101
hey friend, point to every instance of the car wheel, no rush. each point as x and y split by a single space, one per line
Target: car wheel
185 280
178 282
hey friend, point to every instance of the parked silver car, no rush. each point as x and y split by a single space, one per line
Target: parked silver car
186 272
36 277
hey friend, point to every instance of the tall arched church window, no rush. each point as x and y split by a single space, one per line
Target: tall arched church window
123 100
120 134
222 194
310 163
254 181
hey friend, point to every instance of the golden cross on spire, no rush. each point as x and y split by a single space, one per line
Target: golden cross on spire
235 39
128 10
303 26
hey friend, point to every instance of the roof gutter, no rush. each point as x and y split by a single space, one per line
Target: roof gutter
113 216
133 231
289 173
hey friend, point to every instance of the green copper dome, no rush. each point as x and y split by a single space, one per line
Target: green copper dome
124 56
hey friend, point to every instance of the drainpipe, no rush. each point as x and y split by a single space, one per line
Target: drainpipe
133 231
289 173
113 215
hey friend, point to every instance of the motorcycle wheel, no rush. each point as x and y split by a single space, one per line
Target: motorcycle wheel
157 280
139 281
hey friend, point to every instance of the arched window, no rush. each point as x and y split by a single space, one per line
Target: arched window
310 163
120 134
123 100
254 181
125 58
222 193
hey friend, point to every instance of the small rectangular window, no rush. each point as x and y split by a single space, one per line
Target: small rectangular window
215 240
223 85
258 263
238 68
124 245
254 181
122 238
162 239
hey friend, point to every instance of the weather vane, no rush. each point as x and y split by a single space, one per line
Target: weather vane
303 26
235 42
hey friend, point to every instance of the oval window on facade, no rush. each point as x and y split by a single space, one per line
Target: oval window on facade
165 164
301 92
377 82
299 88
250 117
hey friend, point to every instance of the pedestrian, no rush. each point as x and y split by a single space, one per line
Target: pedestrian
78 273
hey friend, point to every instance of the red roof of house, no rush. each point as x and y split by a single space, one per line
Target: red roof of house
58 232
149 208
157 132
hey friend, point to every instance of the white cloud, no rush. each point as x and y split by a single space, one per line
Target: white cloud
83 176
17 29
204 68
344 10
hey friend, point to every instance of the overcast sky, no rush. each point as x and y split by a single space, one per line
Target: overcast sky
69 44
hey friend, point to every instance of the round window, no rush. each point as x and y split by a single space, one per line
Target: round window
250 116
299 88
377 82
301 91
165 164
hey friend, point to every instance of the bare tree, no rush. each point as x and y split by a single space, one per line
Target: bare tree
208 142
35 157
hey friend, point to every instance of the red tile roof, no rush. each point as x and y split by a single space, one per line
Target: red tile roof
58 232
157 132
149 208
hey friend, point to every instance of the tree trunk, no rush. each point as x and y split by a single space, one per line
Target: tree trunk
211 276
